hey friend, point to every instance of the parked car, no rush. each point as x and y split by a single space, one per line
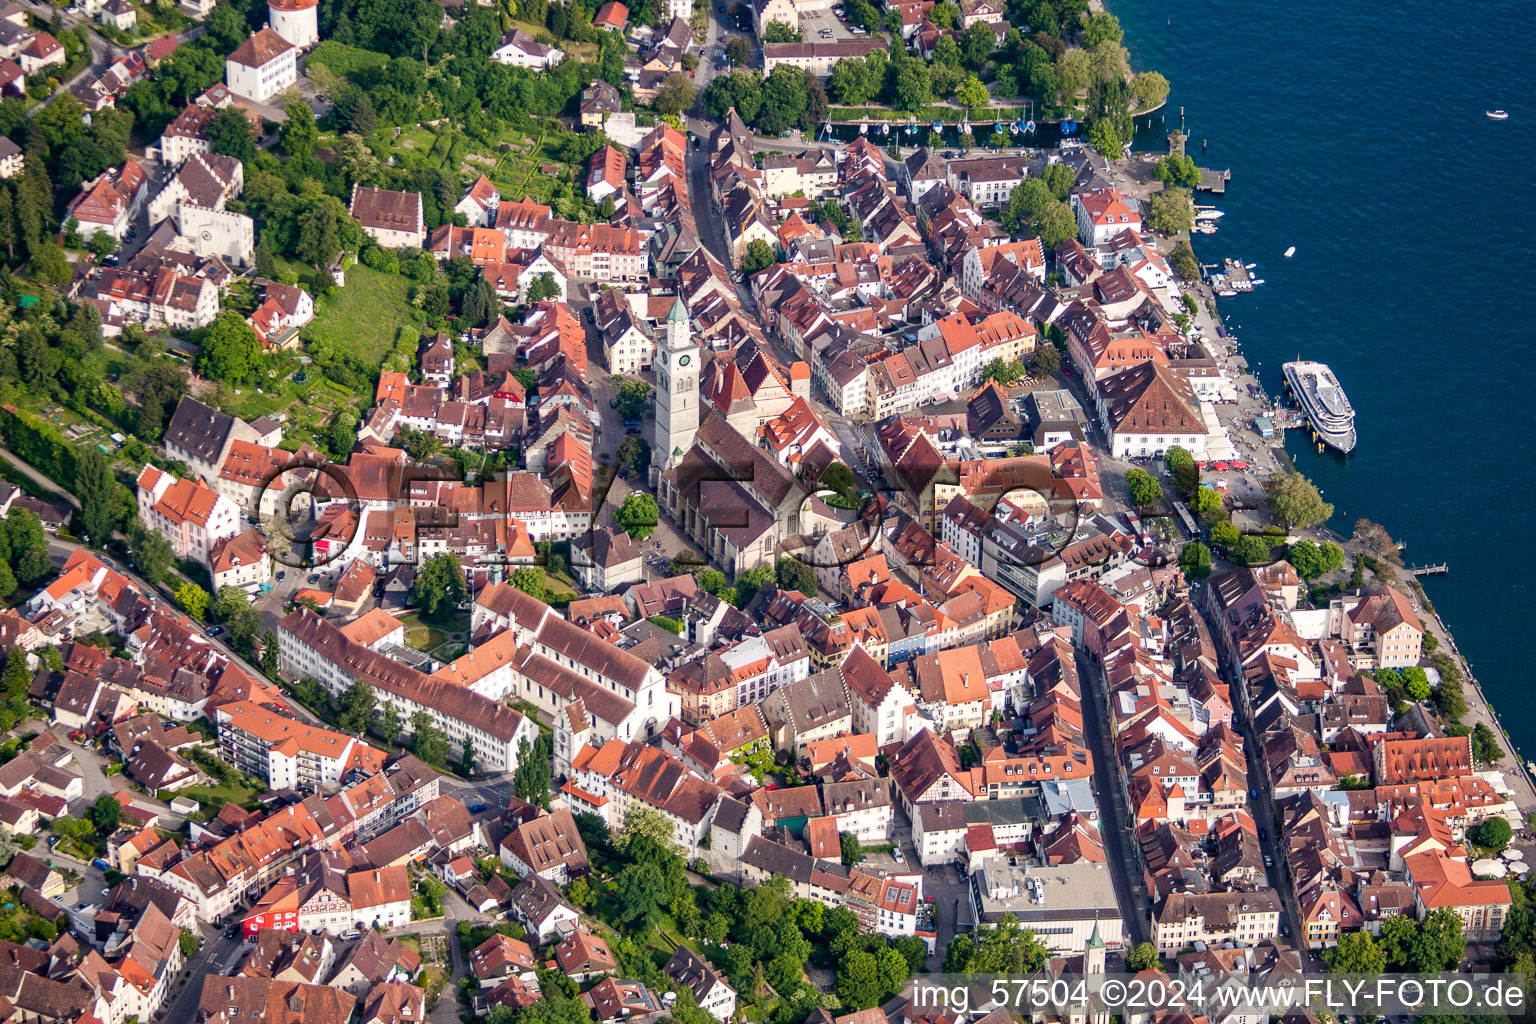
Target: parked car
215 630
475 808
101 865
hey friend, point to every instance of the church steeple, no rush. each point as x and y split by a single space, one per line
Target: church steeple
677 390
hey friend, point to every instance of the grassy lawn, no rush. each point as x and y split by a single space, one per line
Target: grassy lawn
366 316
423 637
345 60
212 797
561 587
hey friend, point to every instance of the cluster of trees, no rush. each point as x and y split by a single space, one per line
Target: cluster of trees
233 608
1177 170
748 583
908 83
760 939
1041 203
1171 211
1405 945
23 550
1004 948
787 98
15 681
533 779
1183 260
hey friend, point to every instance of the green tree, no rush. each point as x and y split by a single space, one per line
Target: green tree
793 574
1195 560
748 583
711 581
1148 89
1491 834
1004 371
738 51
858 980
533 777
638 515
1355 953
780 32
543 287
1171 211
300 136
759 256
227 349
1055 225
106 813
231 133
1416 683
1175 170
439 585
428 742
530 579
97 491
48 264
1143 487
193 600
634 398
389 723
1143 957
357 706
640 892
634 453
851 848
676 94
1184 262
1250 550
1101 27
913 86
228 602
152 554
480 305
1485 745
1295 502
971 93
1046 360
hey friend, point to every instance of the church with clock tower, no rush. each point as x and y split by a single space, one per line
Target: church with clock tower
677 391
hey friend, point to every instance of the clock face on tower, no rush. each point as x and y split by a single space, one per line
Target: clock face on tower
684 360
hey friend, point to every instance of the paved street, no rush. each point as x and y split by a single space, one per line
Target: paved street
1115 822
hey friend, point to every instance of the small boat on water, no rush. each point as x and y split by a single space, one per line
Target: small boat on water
1290 252
1205 228
1498 115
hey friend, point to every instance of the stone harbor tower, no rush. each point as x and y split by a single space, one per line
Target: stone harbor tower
677 391
297 21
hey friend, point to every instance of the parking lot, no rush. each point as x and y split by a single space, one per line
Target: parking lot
824 27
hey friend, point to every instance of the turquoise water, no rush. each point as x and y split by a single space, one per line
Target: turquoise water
1357 134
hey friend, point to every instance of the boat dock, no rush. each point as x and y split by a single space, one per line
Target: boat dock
1232 277
1213 181
1428 570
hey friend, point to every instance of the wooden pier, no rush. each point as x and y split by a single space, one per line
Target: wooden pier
1214 181
1428 570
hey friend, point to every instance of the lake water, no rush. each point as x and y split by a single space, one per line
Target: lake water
1357 134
